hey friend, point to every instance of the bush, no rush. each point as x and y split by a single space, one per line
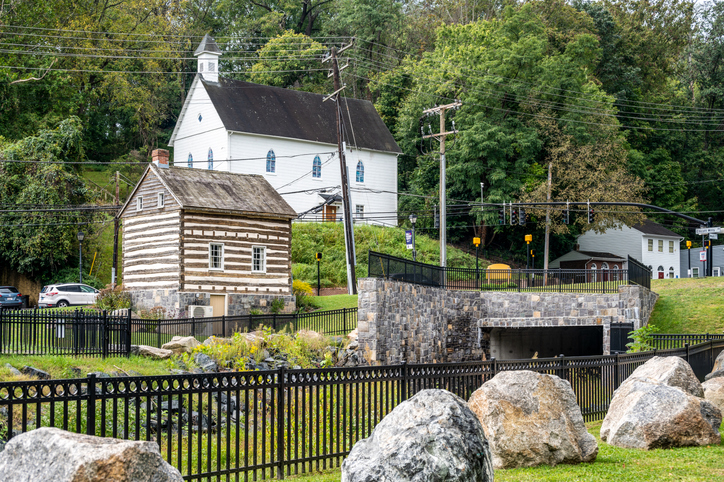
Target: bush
300 287
277 305
111 299
641 339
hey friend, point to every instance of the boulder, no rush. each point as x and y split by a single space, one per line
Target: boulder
714 392
181 344
532 419
715 374
53 454
672 371
206 363
646 415
719 362
35 373
151 352
13 370
431 437
215 340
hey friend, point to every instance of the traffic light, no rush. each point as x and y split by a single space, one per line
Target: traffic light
318 256
566 216
522 219
532 253
501 216
513 217
590 216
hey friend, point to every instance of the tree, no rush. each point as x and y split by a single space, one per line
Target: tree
291 60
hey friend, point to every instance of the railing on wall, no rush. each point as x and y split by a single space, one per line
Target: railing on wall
276 423
96 333
537 280
638 273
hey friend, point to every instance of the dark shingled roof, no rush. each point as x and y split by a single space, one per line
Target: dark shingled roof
596 254
224 191
650 227
207 45
260 109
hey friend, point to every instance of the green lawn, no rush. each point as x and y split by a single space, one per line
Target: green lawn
335 302
612 464
689 305
60 366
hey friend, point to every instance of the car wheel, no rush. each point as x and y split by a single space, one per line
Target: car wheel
63 304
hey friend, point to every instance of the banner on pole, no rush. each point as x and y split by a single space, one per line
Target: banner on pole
702 255
408 238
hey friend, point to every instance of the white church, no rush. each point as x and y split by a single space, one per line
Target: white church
290 138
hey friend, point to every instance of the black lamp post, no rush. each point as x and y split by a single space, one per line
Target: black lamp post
81 237
413 220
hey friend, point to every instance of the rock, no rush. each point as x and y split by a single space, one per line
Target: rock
35 373
152 352
719 362
213 340
714 392
13 370
100 374
672 371
532 419
311 337
206 363
76 372
431 437
52 454
715 374
648 415
181 344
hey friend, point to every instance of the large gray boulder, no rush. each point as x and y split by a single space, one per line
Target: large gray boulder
151 352
645 414
181 344
714 392
718 370
532 419
672 371
432 437
51 454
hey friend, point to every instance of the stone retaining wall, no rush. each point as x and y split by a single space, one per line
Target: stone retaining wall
176 303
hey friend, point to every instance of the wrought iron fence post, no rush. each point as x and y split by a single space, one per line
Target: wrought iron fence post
494 366
562 364
76 333
2 330
274 322
128 332
405 381
686 347
90 428
518 283
344 314
280 423
616 367
193 329
223 325
105 339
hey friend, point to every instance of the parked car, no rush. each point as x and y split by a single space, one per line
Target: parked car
67 294
10 297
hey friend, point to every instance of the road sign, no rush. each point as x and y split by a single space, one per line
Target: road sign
408 238
702 231
713 236
702 255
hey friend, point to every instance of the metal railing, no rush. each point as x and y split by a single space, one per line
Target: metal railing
679 340
639 273
521 280
276 423
96 333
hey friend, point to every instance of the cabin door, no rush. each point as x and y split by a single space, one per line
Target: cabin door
330 213
218 302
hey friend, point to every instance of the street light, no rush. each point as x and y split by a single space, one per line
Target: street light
81 237
413 220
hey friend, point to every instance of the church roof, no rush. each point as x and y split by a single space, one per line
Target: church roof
207 45
274 111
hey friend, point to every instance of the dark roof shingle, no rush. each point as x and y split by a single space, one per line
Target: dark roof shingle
274 111
650 227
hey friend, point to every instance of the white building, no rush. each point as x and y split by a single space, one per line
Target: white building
650 243
290 138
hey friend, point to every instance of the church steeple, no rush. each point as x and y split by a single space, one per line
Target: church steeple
208 54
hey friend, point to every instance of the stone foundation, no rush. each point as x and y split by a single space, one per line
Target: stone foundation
176 303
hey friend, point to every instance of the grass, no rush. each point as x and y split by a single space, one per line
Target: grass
612 464
60 366
689 305
336 302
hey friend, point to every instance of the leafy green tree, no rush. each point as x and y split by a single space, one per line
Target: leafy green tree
291 60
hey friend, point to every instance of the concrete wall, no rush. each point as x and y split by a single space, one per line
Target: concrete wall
420 324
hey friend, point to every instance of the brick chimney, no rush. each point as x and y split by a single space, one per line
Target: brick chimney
160 158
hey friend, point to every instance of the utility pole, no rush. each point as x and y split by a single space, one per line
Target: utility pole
346 205
114 270
441 136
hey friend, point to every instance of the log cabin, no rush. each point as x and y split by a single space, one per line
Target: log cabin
199 237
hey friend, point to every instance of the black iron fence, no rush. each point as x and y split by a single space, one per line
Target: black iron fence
266 424
537 280
97 333
638 273
666 340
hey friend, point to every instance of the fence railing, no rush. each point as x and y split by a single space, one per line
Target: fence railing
96 333
536 280
667 340
276 423
639 273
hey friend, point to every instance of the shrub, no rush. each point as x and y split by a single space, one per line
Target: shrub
641 339
277 305
111 299
300 287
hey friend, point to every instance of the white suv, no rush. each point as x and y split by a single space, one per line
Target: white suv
66 295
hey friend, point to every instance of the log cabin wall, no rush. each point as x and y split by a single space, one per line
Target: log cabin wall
238 235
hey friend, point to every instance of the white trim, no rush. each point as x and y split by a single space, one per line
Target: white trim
334 146
263 259
221 261
139 203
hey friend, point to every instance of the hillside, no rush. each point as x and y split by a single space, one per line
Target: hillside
689 305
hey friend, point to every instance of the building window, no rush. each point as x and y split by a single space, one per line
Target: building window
216 256
317 167
604 266
694 272
661 245
161 200
271 161
200 118
191 160
212 67
139 203
201 66
671 246
359 211
360 172
211 160
671 272
651 244
593 266
258 259
614 273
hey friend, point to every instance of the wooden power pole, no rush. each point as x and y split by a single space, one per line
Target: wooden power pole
114 271
346 204
441 136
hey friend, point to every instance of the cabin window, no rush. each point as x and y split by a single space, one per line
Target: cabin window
359 211
271 161
191 160
139 203
317 167
161 202
216 256
661 245
671 246
360 172
211 160
651 244
258 259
